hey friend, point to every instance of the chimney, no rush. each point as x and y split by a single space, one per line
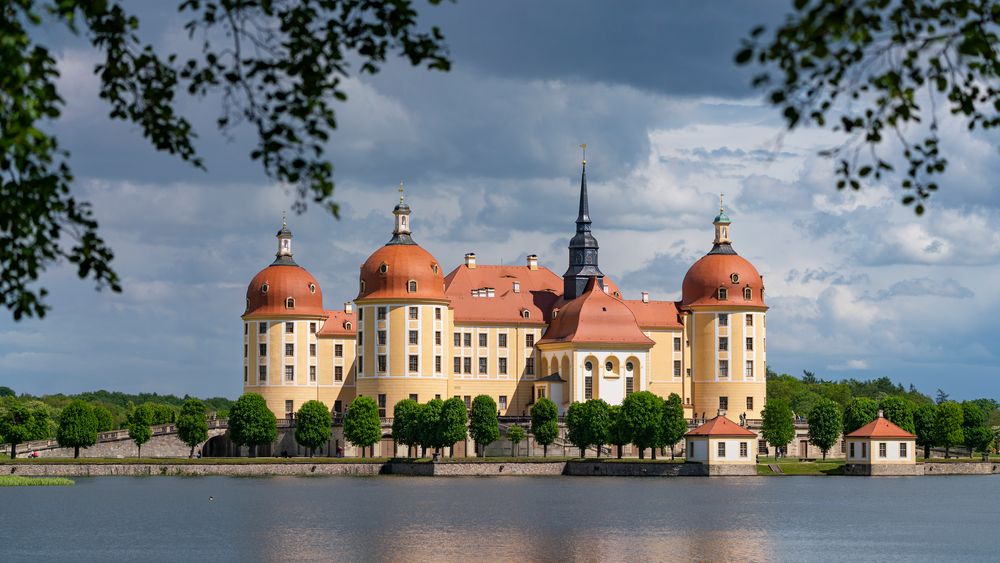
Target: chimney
645 297
470 260
348 307
532 261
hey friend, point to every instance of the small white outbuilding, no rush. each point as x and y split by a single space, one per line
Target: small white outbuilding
724 447
881 448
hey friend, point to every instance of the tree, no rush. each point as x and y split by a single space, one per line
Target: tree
544 423
138 422
484 426
516 435
948 426
6 392
619 432
21 424
577 431
192 428
278 67
162 414
859 412
940 397
898 411
643 412
77 427
674 423
312 425
978 435
252 424
825 424
778 425
362 425
430 425
599 422
405 423
868 70
924 423
105 420
454 423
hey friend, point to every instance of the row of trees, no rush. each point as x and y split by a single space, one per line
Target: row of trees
644 419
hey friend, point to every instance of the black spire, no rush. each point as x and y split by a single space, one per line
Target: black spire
582 248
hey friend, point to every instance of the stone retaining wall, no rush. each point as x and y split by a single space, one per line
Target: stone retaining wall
884 469
230 470
961 468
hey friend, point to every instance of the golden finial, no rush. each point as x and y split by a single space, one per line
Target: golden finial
721 207
284 219
584 147
401 195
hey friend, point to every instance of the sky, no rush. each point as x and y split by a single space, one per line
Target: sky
858 286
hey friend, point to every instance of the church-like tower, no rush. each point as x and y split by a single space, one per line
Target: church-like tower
582 250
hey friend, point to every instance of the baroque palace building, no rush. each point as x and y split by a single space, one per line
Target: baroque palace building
515 333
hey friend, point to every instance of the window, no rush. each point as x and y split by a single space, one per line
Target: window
903 454
361 364
312 374
458 339
723 368
262 351
677 368
468 339
437 396
750 344
677 344
749 369
502 366
246 374
747 294
289 373
289 407
609 366
263 289
246 328
383 268
588 386
744 450
381 338
380 313
289 349
458 364
864 449
347 325
414 397
381 405
629 383
882 449
362 286
749 319
483 340
289 327
361 340
312 328
338 373
723 343
502 340
723 294
468 401
541 392
382 363
529 340
437 338
437 313
437 364
482 366
312 288
467 365
338 407
525 314
734 277
723 403
414 313
852 449
723 319
749 403
690 449
361 313
338 350
312 349
503 402
411 286
262 373
413 337
762 447
246 350
261 328
529 366
414 362
722 449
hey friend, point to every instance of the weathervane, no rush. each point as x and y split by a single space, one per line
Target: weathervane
721 208
401 191
584 147
284 220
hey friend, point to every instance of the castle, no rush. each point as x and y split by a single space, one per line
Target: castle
516 333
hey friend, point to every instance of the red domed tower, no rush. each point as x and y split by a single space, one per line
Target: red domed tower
724 296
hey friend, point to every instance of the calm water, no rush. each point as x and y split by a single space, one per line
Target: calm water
513 519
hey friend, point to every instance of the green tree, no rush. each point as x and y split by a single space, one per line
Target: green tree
868 70
454 423
362 425
192 428
21 424
429 431
484 426
251 423
643 412
619 432
544 423
859 412
406 423
6 392
138 423
577 430
826 422
312 425
105 420
674 423
978 435
948 426
599 422
778 424
516 435
898 411
77 427
925 423
280 68
162 414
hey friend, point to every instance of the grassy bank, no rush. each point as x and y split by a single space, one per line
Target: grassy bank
19 481
819 467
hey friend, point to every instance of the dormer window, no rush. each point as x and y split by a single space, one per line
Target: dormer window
555 312
434 268
723 294
411 286
362 286
525 314
734 277
248 303
312 288
517 287
263 289
347 325
383 268
290 303
747 293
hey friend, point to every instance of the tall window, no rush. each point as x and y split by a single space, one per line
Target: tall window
312 349
338 407
289 349
852 449
338 373
262 373
414 362
361 340
261 328
458 339
482 340
458 364
903 454
744 450
381 338
437 364
312 374
529 340
677 368
750 344
382 362
361 365
246 350
882 449
289 407
502 340
338 350
503 402
588 381
312 328
411 286
723 294
289 303
361 314
289 373
723 368
246 374
723 343
262 350
414 311
529 366
502 366
437 313
749 403
629 379
723 403
289 327
723 319
437 338
749 319
749 372
467 365
468 401
482 366
677 344
381 405
747 294
468 339
722 449
380 313
413 337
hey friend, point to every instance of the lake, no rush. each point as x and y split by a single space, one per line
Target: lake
503 518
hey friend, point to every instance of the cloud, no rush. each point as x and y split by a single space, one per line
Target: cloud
850 365
924 287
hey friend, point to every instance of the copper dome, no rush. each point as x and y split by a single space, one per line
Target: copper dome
727 271
389 270
270 290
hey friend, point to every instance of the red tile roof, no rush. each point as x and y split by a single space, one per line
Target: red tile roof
538 290
880 428
656 314
595 318
721 426
336 325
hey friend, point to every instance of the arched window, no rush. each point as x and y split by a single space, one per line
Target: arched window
411 286
263 289
434 268
747 293
525 314
609 366
723 294
248 303
312 288
383 268
290 303
629 379
347 325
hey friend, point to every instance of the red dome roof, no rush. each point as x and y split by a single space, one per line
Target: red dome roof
387 273
595 318
722 270
270 289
